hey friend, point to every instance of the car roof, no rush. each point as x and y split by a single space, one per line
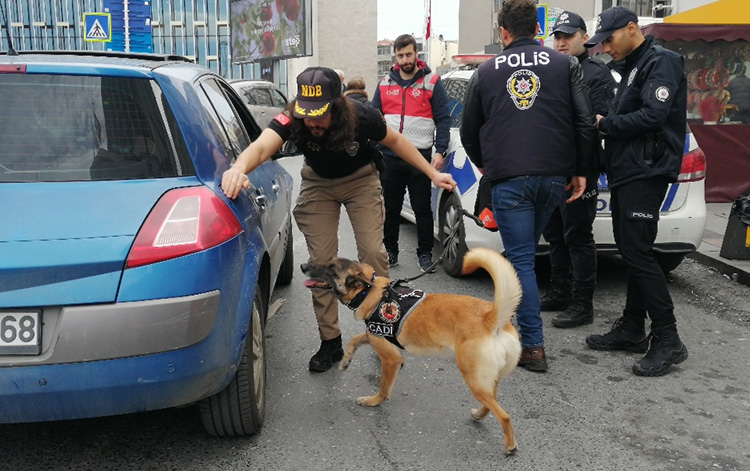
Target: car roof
253 82
103 62
459 74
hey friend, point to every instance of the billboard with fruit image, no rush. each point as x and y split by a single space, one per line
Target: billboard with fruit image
269 29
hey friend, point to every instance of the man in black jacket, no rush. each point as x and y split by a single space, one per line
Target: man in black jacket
645 137
570 231
529 124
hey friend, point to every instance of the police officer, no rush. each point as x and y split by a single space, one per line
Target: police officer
570 228
529 123
645 136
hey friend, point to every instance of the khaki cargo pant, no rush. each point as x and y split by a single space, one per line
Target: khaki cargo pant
317 213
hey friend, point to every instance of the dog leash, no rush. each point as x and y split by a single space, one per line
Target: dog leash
447 244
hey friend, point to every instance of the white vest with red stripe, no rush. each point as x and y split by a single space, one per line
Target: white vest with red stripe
408 109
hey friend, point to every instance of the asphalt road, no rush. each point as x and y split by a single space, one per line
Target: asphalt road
588 412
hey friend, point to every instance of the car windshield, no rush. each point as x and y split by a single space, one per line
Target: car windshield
73 128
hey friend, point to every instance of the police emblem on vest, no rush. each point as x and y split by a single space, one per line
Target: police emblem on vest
523 86
389 315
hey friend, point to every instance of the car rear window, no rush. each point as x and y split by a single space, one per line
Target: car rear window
72 128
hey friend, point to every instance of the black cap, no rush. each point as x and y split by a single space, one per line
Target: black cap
569 23
609 21
316 89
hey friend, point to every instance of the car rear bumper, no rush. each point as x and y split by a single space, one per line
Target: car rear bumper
90 369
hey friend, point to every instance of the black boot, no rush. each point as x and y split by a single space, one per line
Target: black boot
330 352
581 309
666 350
557 297
628 333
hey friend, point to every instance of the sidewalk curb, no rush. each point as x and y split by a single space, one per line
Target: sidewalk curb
725 268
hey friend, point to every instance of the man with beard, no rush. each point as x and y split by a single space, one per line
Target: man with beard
570 230
529 124
334 133
414 102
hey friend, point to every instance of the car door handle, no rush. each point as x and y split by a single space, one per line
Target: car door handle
261 199
275 187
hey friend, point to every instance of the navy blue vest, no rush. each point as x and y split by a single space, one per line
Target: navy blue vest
526 101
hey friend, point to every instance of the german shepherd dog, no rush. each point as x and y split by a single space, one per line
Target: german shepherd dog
486 344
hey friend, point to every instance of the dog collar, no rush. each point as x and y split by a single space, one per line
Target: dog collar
360 297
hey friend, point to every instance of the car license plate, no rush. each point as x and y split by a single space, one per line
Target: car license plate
20 333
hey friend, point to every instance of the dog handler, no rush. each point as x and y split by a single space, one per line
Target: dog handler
334 134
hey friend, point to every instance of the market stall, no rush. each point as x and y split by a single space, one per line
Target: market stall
715 41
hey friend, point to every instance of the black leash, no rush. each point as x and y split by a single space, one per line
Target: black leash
447 244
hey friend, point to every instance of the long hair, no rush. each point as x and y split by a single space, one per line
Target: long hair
518 17
343 128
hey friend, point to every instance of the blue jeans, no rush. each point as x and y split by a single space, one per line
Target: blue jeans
522 206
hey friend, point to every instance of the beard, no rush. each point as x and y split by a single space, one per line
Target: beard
409 67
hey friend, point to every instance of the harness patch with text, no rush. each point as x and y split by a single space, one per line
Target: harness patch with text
389 315
523 87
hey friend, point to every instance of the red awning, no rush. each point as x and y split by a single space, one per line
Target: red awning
688 32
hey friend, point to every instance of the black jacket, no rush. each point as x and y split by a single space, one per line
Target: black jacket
528 112
602 84
646 123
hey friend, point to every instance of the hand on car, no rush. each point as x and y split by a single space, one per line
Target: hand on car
233 181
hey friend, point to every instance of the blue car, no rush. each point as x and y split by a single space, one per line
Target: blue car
128 281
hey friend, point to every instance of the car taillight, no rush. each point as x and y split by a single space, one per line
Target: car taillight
693 166
183 221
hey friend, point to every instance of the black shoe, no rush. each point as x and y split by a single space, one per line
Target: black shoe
581 309
330 352
666 350
425 262
558 296
533 359
626 334
392 259
576 314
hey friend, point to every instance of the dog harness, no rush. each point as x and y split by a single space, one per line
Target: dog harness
387 318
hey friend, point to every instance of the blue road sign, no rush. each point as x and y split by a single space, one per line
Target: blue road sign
542 12
97 27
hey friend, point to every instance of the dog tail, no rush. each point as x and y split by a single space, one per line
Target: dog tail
507 286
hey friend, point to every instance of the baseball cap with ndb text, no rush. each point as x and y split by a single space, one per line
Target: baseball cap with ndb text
609 21
568 23
316 89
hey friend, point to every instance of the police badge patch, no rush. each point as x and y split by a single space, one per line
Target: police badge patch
352 148
662 94
523 86
390 312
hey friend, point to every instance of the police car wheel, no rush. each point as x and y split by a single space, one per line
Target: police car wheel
451 218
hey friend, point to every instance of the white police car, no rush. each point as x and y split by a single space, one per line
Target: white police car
681 222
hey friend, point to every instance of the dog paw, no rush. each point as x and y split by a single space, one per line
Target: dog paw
511 450
343 366
370 401
480 413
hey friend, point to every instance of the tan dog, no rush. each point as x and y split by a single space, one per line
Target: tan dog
486 344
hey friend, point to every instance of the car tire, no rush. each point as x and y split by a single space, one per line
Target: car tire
451 218
286 270
669 261
240 408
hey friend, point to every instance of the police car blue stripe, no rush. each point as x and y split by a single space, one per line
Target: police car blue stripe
464 177
669 200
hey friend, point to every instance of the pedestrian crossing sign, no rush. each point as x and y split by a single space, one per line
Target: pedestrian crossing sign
97 27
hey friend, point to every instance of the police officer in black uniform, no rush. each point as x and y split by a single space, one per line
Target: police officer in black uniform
645 137
570 228
529 123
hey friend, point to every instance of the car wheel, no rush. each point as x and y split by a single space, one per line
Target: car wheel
286 270
669 261
454 249
240 408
